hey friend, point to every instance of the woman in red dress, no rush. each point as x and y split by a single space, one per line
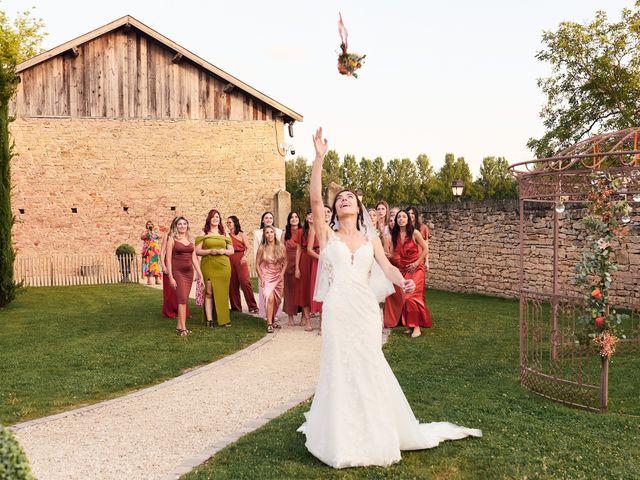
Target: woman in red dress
181 264
292 235
393 303
303 273
313 248
414 218
411 250
240 268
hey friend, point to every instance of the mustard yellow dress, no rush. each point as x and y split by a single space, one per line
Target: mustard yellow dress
217 270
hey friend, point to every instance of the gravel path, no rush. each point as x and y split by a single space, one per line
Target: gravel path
166 430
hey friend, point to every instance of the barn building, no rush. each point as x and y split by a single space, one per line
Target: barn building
122 125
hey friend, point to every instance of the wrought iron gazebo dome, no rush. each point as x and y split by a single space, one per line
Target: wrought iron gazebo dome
567 174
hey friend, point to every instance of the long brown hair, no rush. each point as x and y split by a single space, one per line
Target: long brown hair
207 224
278 249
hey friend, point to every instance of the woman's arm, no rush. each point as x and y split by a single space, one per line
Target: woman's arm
196 265
229 250
163 252
320 227
203 252
391 272
172 280
245 242
424 251
258 262
144 235
298 253
284 267
312 239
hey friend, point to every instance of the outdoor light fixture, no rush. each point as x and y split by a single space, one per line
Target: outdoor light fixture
360 194
457 186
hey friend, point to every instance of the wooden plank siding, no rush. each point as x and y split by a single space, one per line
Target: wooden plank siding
125 73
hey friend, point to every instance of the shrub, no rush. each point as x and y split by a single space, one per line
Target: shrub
13 461
125 249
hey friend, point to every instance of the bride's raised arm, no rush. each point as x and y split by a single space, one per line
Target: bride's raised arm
317 205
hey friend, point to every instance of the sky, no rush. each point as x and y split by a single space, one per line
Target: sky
439 77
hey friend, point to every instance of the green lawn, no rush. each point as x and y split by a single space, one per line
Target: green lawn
465 370
62 347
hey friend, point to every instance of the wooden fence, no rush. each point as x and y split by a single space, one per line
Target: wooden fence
76 270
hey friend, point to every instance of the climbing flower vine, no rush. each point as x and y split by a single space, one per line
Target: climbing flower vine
607 224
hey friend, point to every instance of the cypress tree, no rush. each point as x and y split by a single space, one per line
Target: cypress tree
19 40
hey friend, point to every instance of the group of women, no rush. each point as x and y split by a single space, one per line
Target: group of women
286 263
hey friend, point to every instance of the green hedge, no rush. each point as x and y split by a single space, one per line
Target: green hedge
13 461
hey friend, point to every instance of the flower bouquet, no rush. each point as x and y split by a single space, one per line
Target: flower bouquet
348 63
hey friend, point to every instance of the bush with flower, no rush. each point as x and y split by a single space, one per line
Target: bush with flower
608 210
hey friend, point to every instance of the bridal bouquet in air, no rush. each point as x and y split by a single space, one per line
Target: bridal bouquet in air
348 63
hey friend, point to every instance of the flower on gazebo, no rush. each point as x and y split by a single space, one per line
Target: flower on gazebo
607 210
348 63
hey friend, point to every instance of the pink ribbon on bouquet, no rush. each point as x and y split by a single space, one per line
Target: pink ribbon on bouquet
342 30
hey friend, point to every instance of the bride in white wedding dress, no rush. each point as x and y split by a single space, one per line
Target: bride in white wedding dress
359 415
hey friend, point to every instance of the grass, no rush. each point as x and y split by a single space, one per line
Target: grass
465 370
63 347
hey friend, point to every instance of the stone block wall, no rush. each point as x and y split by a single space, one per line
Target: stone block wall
475 248
100 167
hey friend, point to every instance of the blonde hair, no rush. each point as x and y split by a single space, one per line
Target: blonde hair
278 250
173 229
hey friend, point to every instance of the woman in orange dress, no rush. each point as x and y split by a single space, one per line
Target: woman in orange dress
303 273
240 268
411 250
292 235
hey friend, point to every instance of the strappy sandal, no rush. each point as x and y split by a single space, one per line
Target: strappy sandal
269 328
210 323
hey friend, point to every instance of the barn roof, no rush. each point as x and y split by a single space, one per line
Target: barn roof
129 21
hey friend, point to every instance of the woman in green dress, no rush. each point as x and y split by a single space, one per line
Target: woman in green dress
215 248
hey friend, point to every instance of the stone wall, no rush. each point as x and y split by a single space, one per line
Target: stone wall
102 167
475 248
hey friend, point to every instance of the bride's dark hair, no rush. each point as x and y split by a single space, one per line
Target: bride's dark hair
334 217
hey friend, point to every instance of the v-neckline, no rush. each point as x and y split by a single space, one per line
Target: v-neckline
352 252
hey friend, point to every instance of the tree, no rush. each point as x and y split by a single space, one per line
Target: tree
331 169
426 179
402 185
495 179
19 39
454 169
350 173
595 81
297 176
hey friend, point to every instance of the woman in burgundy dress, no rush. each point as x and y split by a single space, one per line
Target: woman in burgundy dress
169 299
411 250
303 273
181 264
240 268
292 235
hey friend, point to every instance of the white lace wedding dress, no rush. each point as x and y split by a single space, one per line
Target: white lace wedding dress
359 415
